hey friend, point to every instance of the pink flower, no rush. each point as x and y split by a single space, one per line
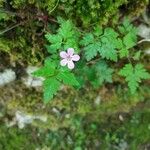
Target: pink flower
68 58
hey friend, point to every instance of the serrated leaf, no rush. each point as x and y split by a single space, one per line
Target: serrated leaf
71 43
110 33
123 52
51 86
105 44
44 72
122 29
53 47
91 50
98 31
137 55
129 40
65 29
134 75
104 73
141 72
55 41
68 78
99 73
87 39
51 62
53 38
108 52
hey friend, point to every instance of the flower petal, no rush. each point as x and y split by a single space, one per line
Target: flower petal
70 64
75 57
63 54
70 51
63 62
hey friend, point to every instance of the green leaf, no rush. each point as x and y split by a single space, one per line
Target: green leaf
107 50
105 44
137 55
134 75
66 29
67 36
104 73
51 86
110 33
56 42
44 72
87 39
99 73
48 69
68 78
52 38
129 40
127 27
71 43
123 52
91 50
53 47
98 31
51 62
141 72
130 34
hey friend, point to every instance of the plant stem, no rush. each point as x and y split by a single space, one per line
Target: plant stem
54 6
10 28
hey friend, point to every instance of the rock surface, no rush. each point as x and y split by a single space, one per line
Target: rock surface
7 76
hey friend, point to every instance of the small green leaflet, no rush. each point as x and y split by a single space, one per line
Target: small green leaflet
99 73
47 70
127 27
134 75
91 50
55 40
66 29
129 39
103 72
67 78
137 55
91 46
51 86
44 72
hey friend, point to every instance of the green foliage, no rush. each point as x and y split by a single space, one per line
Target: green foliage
51 86
66 37
129 33
100 44
104 73
133 75
4 45
68 78
99 73
14 139
83 11
54 77
105 44
35 18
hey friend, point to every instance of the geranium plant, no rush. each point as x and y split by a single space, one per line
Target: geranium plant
77 58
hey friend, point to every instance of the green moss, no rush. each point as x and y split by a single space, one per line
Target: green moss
78 119
24 24
14 139
136 7
30 101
